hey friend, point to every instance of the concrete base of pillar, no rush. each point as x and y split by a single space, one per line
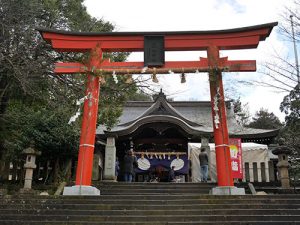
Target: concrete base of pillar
227 191
109 181
81 190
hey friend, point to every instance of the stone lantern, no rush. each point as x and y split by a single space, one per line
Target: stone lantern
29 165
283 164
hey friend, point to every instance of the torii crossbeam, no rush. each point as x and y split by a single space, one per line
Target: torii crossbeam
210 41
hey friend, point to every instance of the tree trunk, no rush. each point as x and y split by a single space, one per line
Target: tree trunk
56 171
67 172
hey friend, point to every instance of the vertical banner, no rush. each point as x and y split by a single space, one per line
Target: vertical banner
235 145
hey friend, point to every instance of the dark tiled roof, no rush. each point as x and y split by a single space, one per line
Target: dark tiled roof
195 115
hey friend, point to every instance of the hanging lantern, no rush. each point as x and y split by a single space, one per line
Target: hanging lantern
154 77
129 79
182 77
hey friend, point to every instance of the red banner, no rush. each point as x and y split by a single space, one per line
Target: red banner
235 145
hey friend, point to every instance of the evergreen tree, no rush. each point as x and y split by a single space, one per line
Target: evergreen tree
35 103
241 111
265 120
291 132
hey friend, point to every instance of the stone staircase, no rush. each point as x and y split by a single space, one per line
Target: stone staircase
151 204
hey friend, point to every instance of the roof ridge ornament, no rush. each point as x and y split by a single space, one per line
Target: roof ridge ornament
161 94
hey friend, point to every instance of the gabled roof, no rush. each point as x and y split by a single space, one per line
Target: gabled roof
194 117
162 107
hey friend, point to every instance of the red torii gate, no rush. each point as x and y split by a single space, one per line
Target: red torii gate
210 41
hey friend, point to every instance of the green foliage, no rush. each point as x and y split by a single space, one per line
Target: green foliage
241 111
47 127
265 120
291 132
26 61
113 97
35 103
291 106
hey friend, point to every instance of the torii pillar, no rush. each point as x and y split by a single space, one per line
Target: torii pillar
88 131
154 44
89 121
219 118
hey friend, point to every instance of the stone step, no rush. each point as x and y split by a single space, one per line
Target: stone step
155 187
158 185
138 212
13 222
102 183
190 196
198 196
150 218
151 191
151 204
146 196
148 207
138 201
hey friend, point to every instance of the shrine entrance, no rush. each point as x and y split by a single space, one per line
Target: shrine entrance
158 136
156 146
154 45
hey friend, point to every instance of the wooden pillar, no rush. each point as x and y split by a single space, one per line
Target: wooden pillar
255 172
271 171
223 162
88 128
263 172
247 172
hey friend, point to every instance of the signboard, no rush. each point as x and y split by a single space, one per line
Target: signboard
235 145
154 51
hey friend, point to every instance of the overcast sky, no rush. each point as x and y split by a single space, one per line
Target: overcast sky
180 15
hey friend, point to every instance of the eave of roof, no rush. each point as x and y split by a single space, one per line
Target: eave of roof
223 31
195 128
130 128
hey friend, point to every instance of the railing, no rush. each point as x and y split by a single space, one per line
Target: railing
14 172
254 172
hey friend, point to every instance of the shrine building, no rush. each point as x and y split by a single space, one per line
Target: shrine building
159 133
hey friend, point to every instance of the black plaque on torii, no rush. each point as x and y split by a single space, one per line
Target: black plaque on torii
154 51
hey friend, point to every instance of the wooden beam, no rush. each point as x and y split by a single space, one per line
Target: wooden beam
239 38
170 45
160 141
123 68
